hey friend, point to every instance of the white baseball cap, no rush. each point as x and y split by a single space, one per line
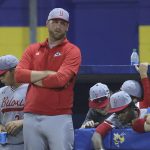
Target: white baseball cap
99 90
59 13
7 62
119 101
132 87
99 96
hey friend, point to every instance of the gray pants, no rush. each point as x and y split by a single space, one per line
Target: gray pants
48 132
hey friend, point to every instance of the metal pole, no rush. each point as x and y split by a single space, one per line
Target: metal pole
33 20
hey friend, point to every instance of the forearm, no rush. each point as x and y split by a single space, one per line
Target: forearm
146 127
39 75
97 141
22 75
143 68
57 80
146 87
2 128
147 123
31 76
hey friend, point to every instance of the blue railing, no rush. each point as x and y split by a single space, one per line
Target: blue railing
122 139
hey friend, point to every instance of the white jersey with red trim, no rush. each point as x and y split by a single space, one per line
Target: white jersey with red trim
143 112
115 122
11 106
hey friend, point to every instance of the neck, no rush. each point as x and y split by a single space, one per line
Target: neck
52 43
16 85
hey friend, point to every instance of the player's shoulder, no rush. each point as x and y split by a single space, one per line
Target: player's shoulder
112 117
34 46
4 88
22 89
23 86
72 50
73 46
68 45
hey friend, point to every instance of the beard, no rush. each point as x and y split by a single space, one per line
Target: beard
57 35
128 118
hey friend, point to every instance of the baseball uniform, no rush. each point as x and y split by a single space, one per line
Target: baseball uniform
11 106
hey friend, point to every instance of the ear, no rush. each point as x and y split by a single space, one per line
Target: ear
12 70
67 27
47 22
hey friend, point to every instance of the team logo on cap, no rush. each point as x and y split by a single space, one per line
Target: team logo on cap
61 13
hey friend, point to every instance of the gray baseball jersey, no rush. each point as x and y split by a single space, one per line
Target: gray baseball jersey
11 106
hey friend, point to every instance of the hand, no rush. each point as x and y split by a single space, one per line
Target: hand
147 123
38 83
2 128
147 118
88 124
46 73
142 69
14 127
96 124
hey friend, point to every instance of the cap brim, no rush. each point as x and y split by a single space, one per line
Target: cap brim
2 72
59 18
113 110
98 104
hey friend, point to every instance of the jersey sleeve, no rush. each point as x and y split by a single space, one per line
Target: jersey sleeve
23 69
146 98
138 125
104 128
